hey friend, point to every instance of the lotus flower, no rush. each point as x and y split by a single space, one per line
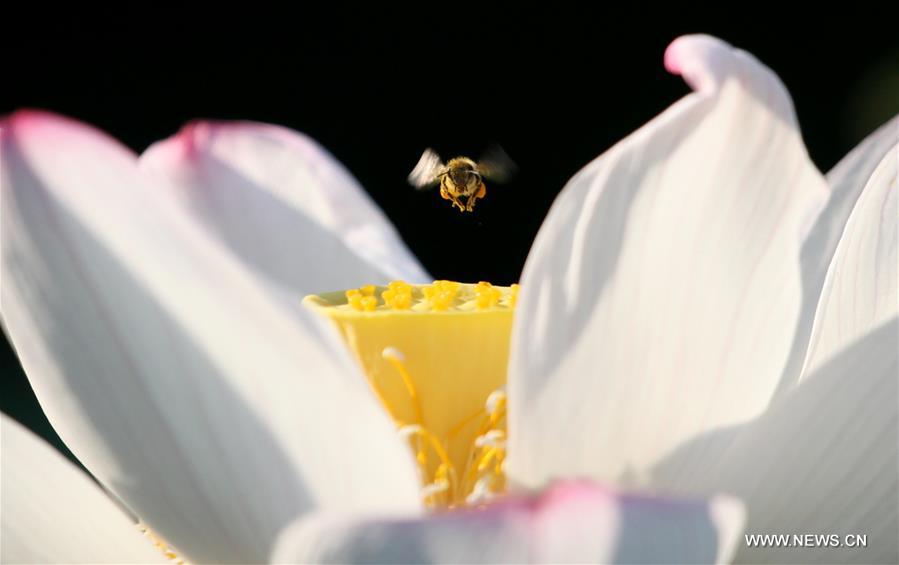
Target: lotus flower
703 345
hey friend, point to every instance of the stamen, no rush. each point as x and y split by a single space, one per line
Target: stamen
409 431
411 353
396 358
486 295
513 295
434 488
362 299
393 354
446 469
485 469
495 399
482 491
398 295
488 457
441 294
458 427
160 544
493 438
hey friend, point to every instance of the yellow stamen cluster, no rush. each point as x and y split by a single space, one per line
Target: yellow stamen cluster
436 357
513 295
487 296
398 295
441 294
483 475
362 299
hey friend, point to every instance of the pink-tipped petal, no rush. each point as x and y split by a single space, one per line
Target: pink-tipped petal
570 523
53 513
581 523
702 62
283 206
166 366
662 294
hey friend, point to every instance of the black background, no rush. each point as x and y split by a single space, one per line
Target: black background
554 87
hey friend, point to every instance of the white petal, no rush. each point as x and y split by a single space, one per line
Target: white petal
570 523
849 176
860 290
822 460
846 180
215 414
53 513
663 291
282 205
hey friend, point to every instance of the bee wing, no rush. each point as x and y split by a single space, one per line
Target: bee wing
496 164
427 170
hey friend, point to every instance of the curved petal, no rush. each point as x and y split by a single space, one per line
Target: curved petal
825 457
214 412
570 523
663 291
849 176
860 290
52 513
283 206
823 460
846 180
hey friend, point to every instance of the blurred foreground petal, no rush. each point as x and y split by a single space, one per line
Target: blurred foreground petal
166 367
53 513
570 523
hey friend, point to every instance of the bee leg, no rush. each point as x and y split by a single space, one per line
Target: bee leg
444 193
473 199
453 200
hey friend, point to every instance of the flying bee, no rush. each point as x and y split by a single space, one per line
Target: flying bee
461 179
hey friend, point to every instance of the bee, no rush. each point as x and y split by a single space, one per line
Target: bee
461 179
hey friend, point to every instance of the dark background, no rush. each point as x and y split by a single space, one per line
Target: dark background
554 88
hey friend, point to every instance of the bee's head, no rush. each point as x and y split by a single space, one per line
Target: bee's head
463 173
